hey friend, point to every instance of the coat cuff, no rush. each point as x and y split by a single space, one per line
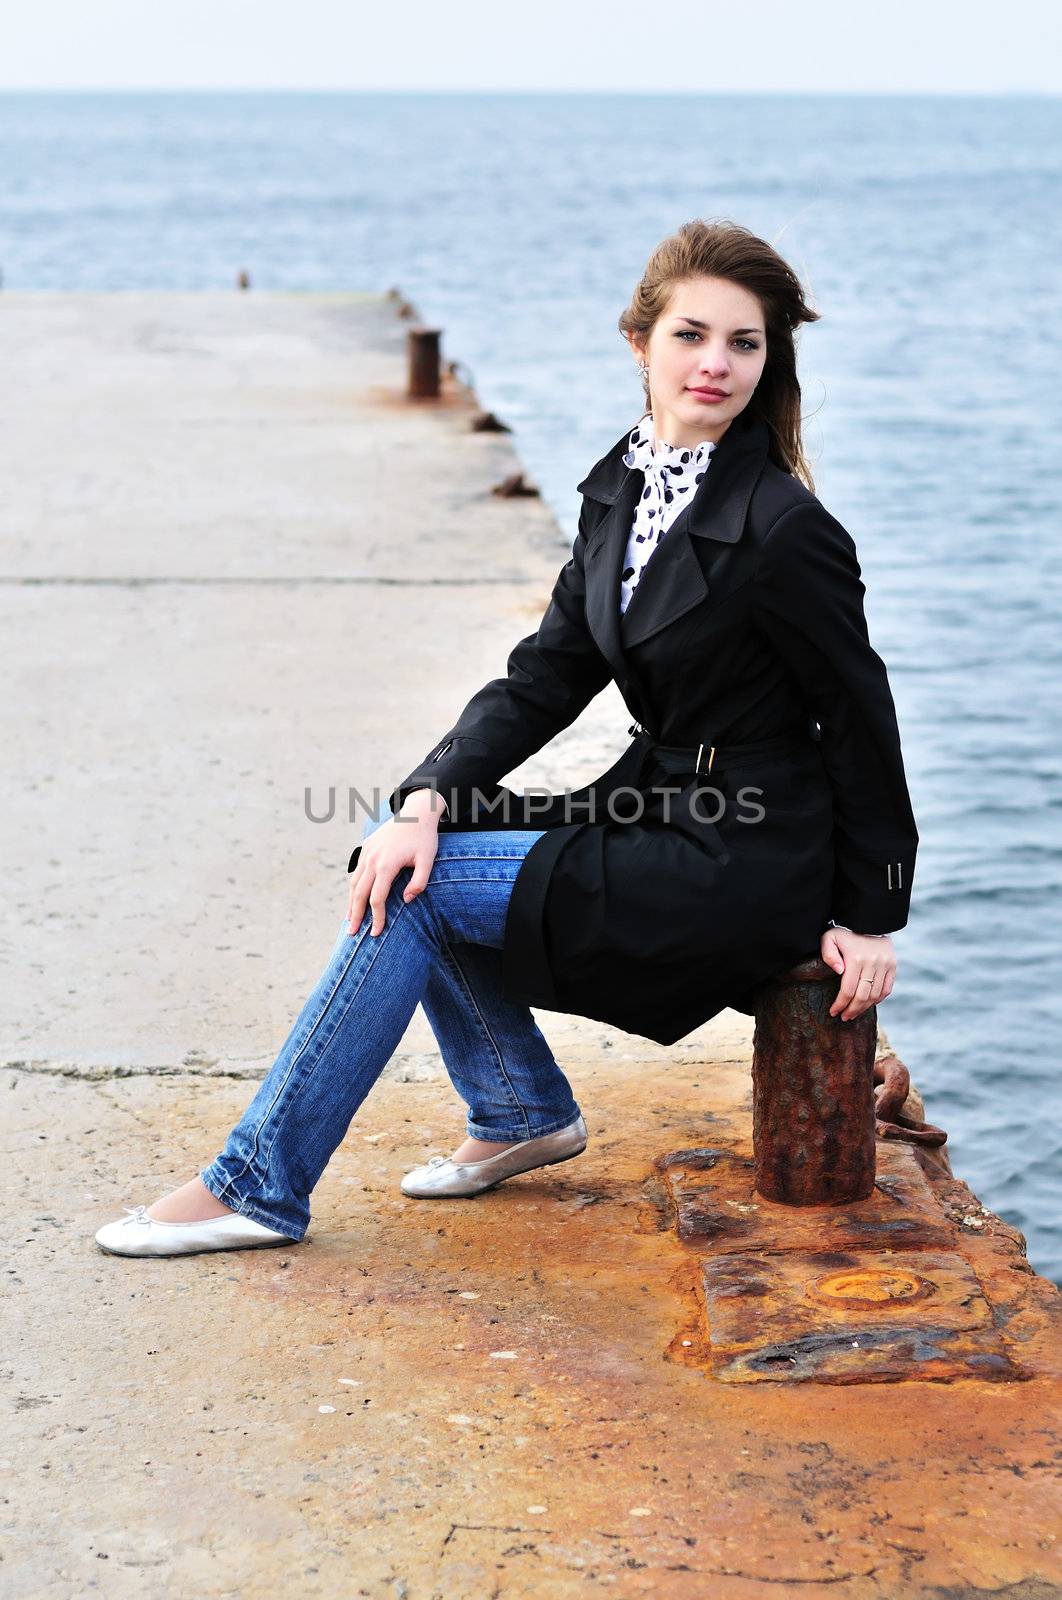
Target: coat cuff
454 769
872 892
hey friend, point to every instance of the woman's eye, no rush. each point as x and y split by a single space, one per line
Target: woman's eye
747 344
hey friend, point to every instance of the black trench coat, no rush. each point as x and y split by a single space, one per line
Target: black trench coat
651 910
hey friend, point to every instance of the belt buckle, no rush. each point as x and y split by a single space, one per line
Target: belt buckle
711 758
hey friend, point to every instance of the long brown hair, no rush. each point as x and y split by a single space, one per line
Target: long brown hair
727 250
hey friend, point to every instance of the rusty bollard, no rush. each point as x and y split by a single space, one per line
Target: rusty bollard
813 1091
424 363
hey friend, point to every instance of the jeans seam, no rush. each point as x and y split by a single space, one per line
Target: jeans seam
442 877
448 952
483 855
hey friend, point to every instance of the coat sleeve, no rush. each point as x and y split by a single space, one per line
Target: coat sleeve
551 676
809 602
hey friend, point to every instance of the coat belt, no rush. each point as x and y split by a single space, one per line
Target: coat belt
702 758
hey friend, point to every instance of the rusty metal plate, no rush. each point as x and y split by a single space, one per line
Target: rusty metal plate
849 1317
716 1205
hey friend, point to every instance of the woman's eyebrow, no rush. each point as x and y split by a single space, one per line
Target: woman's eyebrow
695 324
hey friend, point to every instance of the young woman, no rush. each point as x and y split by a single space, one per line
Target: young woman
760 812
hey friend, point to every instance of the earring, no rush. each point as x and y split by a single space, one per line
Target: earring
643 368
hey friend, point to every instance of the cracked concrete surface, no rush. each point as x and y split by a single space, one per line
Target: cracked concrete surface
509 1396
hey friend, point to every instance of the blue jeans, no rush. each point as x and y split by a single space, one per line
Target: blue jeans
442 950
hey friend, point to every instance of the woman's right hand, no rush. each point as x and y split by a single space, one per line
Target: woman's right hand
409 840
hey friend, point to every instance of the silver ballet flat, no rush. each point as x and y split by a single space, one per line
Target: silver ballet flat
443 1178
137 1234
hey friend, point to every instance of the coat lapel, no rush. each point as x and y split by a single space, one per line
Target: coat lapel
673 580
666 591
603 565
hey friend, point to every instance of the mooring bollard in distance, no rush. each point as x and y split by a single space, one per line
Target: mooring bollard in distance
424 363
812 1091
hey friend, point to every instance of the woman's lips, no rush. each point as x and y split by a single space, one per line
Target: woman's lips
709 394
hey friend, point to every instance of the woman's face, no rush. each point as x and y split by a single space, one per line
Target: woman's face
711 337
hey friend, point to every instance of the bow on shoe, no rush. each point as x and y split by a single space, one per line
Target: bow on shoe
136 1214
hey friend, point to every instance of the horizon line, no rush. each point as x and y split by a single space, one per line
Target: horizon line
630 92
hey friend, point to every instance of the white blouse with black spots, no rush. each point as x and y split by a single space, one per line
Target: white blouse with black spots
672 473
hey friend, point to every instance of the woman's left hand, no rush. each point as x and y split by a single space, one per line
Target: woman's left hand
868 968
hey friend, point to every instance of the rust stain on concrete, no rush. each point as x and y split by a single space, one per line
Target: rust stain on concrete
554 1345
539 1391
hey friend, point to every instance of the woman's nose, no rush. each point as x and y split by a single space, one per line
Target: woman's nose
715 363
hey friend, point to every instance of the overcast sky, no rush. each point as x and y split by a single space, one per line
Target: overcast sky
714 46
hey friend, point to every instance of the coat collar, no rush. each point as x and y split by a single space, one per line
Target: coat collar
673 582
718 509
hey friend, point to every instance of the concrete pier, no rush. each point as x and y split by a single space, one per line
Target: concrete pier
236 560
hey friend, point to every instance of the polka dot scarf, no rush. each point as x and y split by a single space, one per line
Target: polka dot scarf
672 474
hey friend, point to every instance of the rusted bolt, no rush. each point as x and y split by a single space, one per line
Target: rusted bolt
514 487
424 363
486 421
812 1091
871 1286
